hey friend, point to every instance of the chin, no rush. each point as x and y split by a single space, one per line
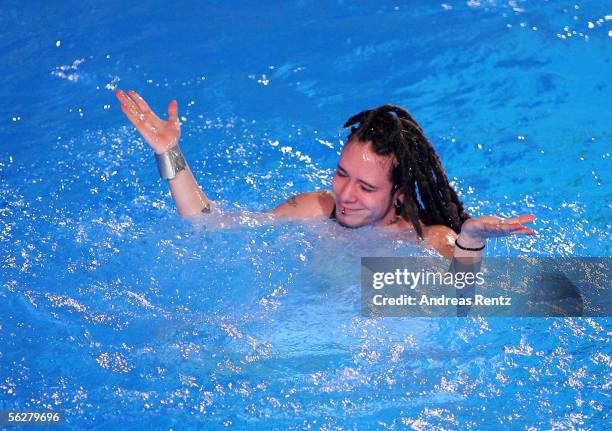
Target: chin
342 221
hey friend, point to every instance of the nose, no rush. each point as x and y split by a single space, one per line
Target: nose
346 193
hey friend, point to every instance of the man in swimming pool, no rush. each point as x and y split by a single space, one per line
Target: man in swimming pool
388 175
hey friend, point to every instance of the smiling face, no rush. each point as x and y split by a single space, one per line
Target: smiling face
362 187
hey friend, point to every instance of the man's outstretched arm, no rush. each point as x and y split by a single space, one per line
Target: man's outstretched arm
163 136
470 242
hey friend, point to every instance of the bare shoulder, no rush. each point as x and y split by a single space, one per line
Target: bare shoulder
441 238
306 205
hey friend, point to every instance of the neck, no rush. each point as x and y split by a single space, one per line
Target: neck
390 218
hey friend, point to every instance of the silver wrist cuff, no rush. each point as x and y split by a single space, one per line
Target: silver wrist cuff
170 163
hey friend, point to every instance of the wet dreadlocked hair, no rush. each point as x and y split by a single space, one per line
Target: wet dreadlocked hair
417 171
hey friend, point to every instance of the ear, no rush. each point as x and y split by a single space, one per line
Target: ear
398 196
398 202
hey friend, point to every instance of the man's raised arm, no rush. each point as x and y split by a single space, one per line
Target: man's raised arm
163 136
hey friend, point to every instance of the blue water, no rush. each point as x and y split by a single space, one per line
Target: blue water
121 314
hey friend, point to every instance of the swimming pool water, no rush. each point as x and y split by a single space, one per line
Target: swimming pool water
123 315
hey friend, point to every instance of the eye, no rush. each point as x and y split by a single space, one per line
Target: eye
340 173
367 189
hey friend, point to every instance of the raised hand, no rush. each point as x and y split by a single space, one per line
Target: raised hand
474 232
159 134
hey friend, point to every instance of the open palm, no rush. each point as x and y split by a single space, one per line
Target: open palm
161 135
485 227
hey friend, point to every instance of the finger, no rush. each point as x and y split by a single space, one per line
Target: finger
129 108
143 106
128 103
509 229
525 218
512 227
173 111
519 229
138 120
139 101
123 98
145 111
136 116
501 228
141 126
